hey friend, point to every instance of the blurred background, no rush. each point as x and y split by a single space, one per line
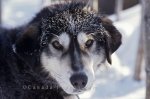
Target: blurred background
125 78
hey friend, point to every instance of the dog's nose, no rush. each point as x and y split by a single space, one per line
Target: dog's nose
79 81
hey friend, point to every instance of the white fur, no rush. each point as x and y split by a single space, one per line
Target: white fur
82 38
59 69
14 48
64 40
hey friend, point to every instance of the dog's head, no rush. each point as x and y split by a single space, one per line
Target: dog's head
71 43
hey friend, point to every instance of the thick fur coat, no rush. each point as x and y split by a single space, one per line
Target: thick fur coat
22 75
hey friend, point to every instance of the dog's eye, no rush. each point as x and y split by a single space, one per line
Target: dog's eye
57 45
89 43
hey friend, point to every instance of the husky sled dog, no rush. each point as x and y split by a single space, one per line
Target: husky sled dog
56 55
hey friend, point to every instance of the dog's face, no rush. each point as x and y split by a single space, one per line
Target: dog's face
74 44
77 48
72 61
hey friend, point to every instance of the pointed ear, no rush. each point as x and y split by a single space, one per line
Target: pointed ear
113 41
27 40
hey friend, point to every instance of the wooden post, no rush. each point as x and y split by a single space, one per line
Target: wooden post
91 4
139 59
0 11
118 8
140 53
98 6
146 29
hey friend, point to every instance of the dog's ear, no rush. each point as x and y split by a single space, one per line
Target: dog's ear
107 50
113 41
27 40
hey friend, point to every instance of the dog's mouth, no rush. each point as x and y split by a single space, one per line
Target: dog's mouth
79 90
76 91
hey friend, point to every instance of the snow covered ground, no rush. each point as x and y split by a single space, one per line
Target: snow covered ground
113 82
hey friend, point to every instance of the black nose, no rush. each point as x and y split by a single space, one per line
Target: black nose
79 81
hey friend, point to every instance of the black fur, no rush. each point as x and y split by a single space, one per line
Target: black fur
20 51
114 41
17 72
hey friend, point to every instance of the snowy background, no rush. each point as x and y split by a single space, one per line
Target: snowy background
113 82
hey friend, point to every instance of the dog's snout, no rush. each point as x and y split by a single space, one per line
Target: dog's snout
79 81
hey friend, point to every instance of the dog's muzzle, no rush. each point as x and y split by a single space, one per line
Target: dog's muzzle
79 80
